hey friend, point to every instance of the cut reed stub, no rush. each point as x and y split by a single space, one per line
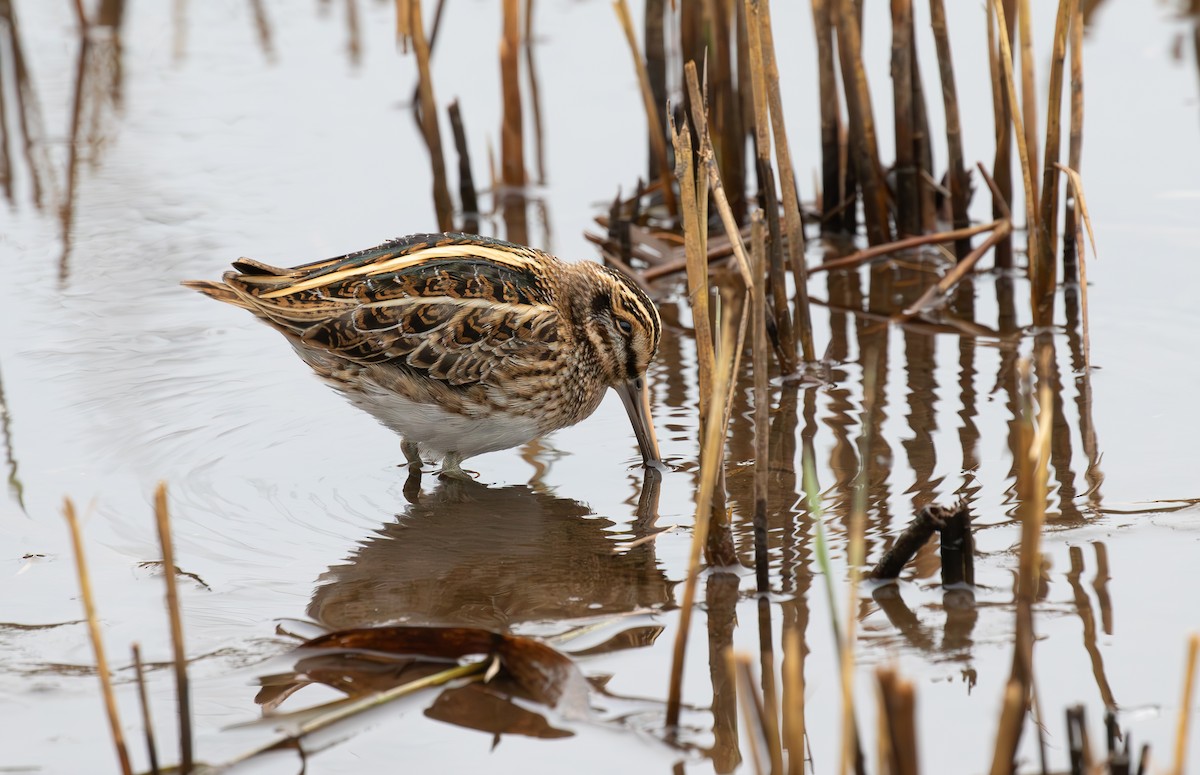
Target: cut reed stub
954 524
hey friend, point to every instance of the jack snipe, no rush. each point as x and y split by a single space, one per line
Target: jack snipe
461 344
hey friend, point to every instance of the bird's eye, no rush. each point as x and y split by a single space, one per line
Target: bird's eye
625 326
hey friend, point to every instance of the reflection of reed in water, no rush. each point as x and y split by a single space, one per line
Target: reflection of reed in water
466 554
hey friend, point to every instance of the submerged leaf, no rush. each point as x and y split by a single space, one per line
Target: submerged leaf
484 707
363 661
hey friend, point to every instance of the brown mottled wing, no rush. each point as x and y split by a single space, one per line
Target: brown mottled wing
457 341
455 308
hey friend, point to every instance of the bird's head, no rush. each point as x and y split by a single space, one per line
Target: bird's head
623 326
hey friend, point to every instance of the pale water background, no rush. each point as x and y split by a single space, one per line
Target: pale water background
287 502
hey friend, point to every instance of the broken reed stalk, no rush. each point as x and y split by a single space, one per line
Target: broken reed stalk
93 622
403 23
710 457
862 123
1028 86
793 699
762 400
908 192
162 519
700 122
144 704
956 172
786 345
787 183
939 291
693 193
657 141
1033 450
831 161
879 251
1048 238
467 197
428 119
1074 157
1185 705
1042 298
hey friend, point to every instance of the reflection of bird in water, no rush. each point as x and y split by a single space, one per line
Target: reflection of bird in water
462 344
470 555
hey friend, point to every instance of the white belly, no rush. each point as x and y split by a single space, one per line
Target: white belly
438 431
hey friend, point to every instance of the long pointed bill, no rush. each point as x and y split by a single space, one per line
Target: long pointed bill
636 398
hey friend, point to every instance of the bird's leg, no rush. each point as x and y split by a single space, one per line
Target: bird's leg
411 453
452 467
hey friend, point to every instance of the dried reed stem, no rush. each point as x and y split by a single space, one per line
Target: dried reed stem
693 188
1080 212
956 172
955 275
851 749
512 146
762 401
793 710
144 704
710 457
730 116
832 188
862 124
787 182
81 16
429 120
1028 85
535 101
89 607
699 104
1074 159
341 712
403 23
739 665
694 210
897 724
466 180
655 45
786 349
1002 163
867 254
1012 715
1032 449
1041 297
1185 705
908 192
1048 238
182 690
658 142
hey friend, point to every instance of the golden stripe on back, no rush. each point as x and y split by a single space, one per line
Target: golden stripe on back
472 250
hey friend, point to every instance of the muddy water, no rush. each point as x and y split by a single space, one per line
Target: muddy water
206 131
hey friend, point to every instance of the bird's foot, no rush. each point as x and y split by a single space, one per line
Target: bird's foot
452 469
411 453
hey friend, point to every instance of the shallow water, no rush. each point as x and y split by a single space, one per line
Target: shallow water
205 136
